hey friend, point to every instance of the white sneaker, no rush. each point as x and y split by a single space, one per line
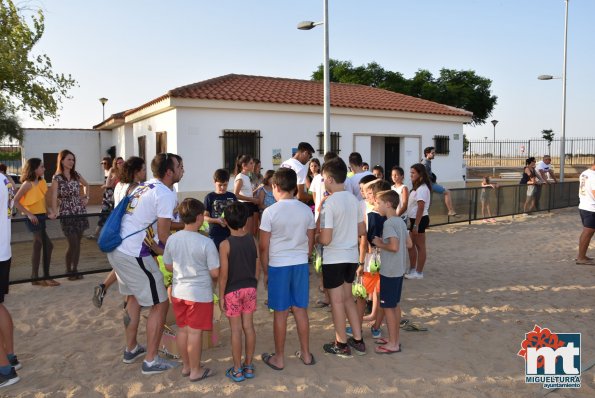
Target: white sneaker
414 275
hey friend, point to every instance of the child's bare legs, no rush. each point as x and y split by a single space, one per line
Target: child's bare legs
393 319
372 315
194 352
235 323
249 339
379 318
419 251
6 332
412 255
303 329
279 334
342 306
360 304
109 280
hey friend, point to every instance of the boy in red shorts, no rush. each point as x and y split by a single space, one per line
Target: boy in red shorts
194 261
238 279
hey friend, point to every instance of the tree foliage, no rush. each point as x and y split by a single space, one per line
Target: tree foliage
462 89
27 81
548 135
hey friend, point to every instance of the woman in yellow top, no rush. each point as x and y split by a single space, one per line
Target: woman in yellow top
30 200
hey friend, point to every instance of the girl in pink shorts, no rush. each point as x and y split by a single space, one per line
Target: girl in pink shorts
238 278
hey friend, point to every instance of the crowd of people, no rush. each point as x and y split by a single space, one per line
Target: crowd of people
350 224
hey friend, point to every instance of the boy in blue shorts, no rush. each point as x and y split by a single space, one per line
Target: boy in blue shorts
286 241
341 225
393 256
215 204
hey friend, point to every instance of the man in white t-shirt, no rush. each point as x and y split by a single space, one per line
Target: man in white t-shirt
586 208
342 223
285 246
298 164
147 224
357 166
317 186
544 170
8 361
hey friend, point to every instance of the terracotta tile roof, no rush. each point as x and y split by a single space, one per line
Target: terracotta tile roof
278 90
306 92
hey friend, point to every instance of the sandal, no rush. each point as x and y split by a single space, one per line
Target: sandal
235 375
248 370
300 356
415 327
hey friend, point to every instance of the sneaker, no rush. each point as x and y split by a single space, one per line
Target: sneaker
359 348
159 365
98 295
376 333
415 275
349 331
14 362
9 379
132 356
333 348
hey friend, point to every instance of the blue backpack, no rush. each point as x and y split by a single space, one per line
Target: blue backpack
109 238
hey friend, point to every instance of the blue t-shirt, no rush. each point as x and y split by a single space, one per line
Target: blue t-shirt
215 203
375 223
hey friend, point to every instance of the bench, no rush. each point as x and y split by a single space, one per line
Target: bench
511 176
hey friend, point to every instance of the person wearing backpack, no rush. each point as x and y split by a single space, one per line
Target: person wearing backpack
149 214
133 173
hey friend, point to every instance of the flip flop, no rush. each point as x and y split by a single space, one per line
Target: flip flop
585 262
404 322
321 304
381 341
266 358
312 359
207 373
414 327
383 350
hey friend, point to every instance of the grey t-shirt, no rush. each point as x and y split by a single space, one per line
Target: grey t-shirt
428 163
192 256
393 264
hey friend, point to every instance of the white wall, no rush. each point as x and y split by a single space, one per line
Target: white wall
148 127
199 142
89 146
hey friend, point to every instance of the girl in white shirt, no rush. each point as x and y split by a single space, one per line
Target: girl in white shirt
398 176
242 188
417 211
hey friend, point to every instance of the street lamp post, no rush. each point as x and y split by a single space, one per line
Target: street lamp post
550 77
494 122
103 100
307 25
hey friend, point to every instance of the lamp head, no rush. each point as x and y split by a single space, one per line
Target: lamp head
305 25
494 122
103 100
545 77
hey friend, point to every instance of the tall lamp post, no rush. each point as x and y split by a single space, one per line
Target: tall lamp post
494 122
307 25
550 77
103 100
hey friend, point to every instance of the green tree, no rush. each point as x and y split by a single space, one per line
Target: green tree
465 143
462 89
548 135
27 81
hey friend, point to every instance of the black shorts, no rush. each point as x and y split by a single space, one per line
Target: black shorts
4 278
588 218
423 224
334 275
390 291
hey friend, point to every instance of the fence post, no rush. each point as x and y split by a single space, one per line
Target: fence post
472 202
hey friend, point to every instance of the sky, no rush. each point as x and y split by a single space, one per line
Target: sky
131 51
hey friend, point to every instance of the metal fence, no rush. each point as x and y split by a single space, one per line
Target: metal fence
10 155
512 153
468 202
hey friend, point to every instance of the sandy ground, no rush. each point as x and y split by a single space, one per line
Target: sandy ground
485 286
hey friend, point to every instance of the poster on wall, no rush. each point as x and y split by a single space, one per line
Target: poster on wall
276 157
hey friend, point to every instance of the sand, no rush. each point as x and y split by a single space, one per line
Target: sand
485 286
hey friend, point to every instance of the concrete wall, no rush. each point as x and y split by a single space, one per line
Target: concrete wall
89 146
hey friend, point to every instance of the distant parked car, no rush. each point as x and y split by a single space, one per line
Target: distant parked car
15 177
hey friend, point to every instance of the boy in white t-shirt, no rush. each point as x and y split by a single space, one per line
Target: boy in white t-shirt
586 208
342 223
286 241
194 260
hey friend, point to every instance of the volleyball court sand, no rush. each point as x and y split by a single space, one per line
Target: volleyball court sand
485 286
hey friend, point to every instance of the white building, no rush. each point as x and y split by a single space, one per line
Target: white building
210 122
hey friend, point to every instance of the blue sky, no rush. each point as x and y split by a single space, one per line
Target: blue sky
131 51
